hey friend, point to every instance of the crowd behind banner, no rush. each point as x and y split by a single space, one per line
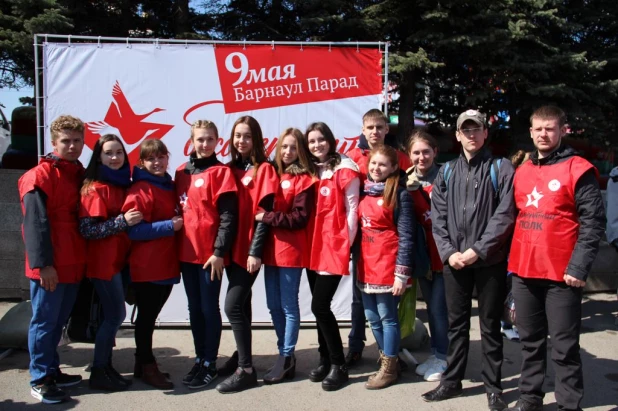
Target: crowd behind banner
400 218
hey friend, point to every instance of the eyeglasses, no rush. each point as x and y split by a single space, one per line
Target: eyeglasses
471 130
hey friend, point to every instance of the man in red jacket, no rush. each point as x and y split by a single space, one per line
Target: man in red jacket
560 222
55 253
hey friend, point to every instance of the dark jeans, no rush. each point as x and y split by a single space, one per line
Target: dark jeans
547 306
238 310
435 298
111 295
50 312
357 337
323 288
491 288
204 312
149 299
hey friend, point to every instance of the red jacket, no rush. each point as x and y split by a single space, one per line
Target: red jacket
289 247
251 190
422 211
198 195
547 225
106 256
60 180
152 260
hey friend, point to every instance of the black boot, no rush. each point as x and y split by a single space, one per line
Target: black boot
523 405
319 373
337 376
495 402
101 378
442 392
118 376
285 367
230 366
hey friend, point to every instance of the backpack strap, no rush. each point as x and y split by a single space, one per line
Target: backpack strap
448 170
494 172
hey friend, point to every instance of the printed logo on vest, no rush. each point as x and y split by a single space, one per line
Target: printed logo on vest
285 184
325 191
246 180
183 201
554 185
366 221
534 197
199 182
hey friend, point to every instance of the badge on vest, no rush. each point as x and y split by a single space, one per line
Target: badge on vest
285 184
534 197
325 191
380 202
246 180
199 182
554 185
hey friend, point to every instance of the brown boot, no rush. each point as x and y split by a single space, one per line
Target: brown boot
380 359
386 376
152 376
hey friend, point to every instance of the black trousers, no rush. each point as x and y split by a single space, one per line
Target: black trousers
544 306
491 288
238 310
150 299
323 288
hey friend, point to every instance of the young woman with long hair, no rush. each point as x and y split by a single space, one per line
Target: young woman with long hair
336 223
385 264
153 262
423 149
257 181
102 223
285 253
206 190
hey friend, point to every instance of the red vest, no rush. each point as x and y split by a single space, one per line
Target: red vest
547 225
289 248
361 158
422 211
60 180
109 255
379 244
152 260
330 249
251 190
198 195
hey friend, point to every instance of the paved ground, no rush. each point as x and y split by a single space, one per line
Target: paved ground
599 343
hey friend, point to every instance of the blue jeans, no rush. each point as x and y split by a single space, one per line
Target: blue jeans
435 298
50 312
282 285
204 312
381 311
111 295
356 338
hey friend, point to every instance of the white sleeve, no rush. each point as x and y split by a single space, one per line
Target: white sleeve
351 207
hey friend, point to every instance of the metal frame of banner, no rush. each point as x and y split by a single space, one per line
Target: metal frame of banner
41 40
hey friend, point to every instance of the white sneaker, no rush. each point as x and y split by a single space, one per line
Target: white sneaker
511 334
434 373
422 368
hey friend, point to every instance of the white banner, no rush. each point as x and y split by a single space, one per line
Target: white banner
141 91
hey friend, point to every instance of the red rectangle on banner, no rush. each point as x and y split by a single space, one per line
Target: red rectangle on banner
258 77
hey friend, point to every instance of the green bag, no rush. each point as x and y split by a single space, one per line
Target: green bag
407 311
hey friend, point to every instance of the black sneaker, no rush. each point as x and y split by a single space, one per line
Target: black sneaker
353 358
48 392
66 380
194 370
204 376
230 366
239 381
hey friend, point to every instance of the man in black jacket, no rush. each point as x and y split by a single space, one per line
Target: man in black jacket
473 216
559 225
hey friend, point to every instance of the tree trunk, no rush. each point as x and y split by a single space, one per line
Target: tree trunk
407 96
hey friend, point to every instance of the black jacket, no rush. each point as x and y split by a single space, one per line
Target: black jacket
469 214
589 205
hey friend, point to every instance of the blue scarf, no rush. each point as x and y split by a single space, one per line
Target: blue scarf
120 177
164 182
374 189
